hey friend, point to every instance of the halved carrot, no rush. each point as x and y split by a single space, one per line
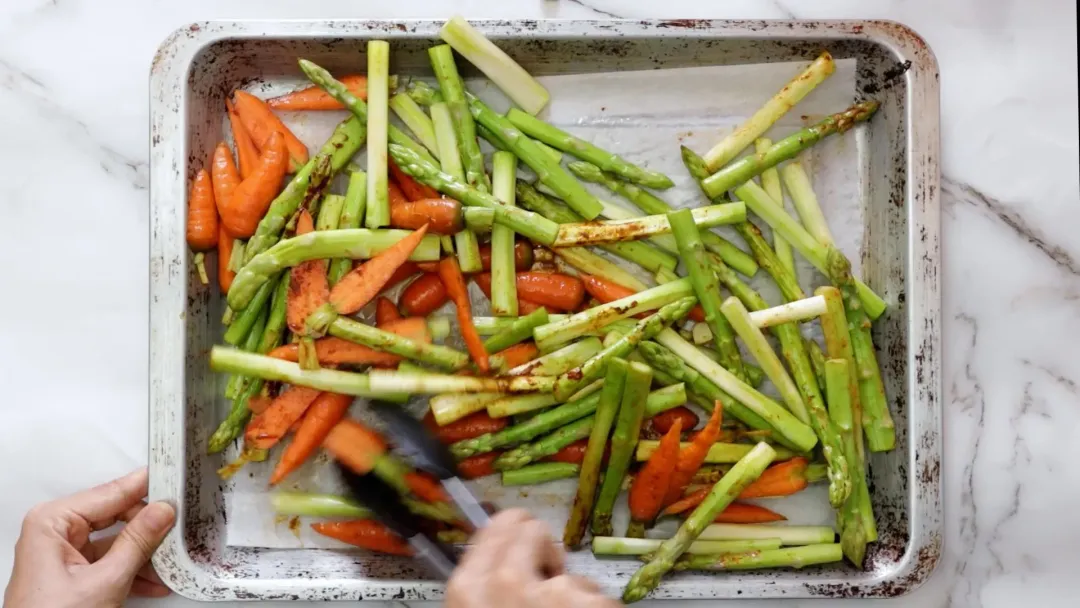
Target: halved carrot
548 289
480 465
364 533
335 351
309 290
267 428
663 421
246 153
326 411
385 311
223 174
225 244
363 283
426 487
443 214
469 427
650 485
261 123
355 445
607 291
693 456
314 98
412 189
519 354
451 276
250 200
746 513
423 296
781 479
523 256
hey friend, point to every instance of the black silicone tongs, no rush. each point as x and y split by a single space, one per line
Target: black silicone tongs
427 453
385 502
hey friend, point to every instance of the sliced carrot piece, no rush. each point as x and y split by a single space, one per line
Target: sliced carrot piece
363 283
746 513
267 428
326 411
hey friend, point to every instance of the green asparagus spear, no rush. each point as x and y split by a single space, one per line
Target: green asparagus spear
877 422
357 244
817 361
557 362
519 331
788 557
630 416
486 134
465 242
834 326
453 92
378 124
610 545
768 259
540 473
250 311
855 518
318 505
416 119
234 423
805 202
585 261
742 170
351 216
778 105
526 223
570 382
722 494
504 301
638 252
346 140
607 231
706 288
561 140
608 406
423 93
432 354
649 203
770 182
551 174
788 535
719 453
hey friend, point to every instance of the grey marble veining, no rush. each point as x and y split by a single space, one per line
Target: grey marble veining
73 97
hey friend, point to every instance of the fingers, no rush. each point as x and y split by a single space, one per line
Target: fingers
533 553
136 542
490 543
102 505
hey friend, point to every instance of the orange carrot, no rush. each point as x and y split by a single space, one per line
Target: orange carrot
573 453
781 479
245 148
261 123
395 195
355 445
250 200
364 533
469 427
746 513
309 289
385 311
650 485
663 421
444 215
426 487
224 175
692 456
688 502
259 404
519 354
202 216
225 244
267 428
314 98
451 276
480 465
335 351
524 306
363 283
523 256
412 189
606 291
327 410
548 289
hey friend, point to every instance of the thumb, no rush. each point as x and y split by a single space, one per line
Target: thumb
137 541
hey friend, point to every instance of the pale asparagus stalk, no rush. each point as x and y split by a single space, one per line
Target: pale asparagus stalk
805 202
378 122
797 311
416 119
557 362
631 413
770 182
465 242
788 557
512 405
590 233
778 105
613 545
450 407
390 381
504 301
788 535
588 262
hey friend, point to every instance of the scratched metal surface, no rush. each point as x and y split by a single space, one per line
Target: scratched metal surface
898 242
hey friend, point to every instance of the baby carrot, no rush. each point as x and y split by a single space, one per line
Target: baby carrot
412 189
327 410
225 244
573 453
261 123
202 220
267 428
364 282
548 289
355 445
480 465
245 148
223 174
364 533
746 513
443 214
394 194
426 487
781 479
650 485
451 276
385 311
523 256
519 354
423 296
314 98
663 421
689 501
403 272
250 200
469 427
693 456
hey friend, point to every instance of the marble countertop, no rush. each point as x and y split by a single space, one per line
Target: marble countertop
73 94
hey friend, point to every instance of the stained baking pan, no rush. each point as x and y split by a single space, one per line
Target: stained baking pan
897 241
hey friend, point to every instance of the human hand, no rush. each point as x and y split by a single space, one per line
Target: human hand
515 562
57 565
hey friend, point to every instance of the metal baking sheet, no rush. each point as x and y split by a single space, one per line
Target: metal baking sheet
878 182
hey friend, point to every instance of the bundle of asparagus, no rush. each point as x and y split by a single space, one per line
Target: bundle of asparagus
560 387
